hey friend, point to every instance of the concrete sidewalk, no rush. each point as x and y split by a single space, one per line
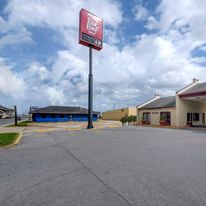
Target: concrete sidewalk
60 126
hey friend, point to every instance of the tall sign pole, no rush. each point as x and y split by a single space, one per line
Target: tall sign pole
90 96
90 35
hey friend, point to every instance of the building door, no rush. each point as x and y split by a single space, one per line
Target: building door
146 117
203 118
189 119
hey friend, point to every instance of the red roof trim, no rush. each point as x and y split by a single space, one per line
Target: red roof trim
157 108
193 94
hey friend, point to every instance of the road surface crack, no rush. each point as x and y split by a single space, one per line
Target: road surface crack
111 189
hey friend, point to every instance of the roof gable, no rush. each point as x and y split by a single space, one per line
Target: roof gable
163 102
62 110
200 87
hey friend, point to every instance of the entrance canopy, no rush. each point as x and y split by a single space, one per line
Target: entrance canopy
196 98
196 93
195 104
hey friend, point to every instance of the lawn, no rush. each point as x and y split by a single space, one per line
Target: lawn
8 138
27 121
21 124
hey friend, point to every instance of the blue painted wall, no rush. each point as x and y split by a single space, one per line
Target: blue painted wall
61 118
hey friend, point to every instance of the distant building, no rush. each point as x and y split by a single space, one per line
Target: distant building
186 108
61 114
117 114
6 112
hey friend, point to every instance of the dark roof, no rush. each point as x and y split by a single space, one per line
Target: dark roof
5 108
161 103
200 87
62 110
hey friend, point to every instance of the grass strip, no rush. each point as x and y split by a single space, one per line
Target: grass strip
8 138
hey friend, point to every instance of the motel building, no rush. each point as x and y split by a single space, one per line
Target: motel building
186 108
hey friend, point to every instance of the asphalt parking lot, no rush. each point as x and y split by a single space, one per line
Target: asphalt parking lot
122 166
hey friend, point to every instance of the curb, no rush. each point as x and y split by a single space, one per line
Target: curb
114 126
97 128
73 129
16 142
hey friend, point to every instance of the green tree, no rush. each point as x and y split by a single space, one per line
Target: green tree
134 119
130 119
123 120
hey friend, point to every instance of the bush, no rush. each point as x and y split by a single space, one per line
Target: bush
134 119
130 119
123 120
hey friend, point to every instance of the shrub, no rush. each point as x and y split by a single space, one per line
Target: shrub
130 119
134 119
123 120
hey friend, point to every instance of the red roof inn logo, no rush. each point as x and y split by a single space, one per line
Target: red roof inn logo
90 30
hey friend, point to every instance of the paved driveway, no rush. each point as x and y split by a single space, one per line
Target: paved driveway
124 166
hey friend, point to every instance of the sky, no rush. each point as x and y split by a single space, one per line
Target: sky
150 47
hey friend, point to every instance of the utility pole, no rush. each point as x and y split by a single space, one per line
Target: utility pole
15 115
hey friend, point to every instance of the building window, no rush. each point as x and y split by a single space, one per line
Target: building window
43 115
146 117
165 118
196 117
53 115
61 115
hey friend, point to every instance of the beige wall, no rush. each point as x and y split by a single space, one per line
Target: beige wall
155 115
178 114
117 114
188 106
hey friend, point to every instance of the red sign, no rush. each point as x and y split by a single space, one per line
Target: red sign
90 30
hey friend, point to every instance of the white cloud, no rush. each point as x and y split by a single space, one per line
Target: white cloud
55 96
61 13
111 36
62 16
67 66
140 13
10 83
37 71
154 63
19 37
177 13
152 23
199 60
203 48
